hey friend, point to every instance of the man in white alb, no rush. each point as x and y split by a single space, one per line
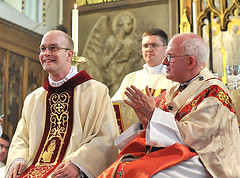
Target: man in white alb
154 42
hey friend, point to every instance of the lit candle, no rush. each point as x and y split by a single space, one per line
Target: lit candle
75 29
194 15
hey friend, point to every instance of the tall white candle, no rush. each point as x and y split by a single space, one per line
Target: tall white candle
60 12
194 15
75 28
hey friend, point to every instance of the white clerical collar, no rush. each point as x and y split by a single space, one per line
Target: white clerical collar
72 72
159 69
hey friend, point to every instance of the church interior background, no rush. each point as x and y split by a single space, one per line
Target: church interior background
108 35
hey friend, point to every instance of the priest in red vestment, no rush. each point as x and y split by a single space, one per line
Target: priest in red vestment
190 130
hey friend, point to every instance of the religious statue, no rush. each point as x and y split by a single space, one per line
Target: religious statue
232 41
113 53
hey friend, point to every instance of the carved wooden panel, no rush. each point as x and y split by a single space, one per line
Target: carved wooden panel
20 71
2 66
15 76
34 75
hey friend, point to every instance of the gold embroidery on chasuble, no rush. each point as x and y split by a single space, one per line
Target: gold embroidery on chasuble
47 155
59 115
212 91
56 136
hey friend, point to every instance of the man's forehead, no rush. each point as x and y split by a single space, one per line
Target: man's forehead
4 142
51 40
48 41
151 39
53 37
173 45
50 44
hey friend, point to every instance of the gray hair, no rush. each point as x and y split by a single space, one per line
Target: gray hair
194 45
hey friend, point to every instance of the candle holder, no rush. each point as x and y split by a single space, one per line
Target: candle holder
76 60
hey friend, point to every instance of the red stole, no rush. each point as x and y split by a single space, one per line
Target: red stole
133 160
212 91
58 127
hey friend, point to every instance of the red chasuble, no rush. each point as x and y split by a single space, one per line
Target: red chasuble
135 161
58 127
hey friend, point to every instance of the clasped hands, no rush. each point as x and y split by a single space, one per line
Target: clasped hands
143 105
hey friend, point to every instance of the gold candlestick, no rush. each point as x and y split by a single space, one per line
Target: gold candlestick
76 60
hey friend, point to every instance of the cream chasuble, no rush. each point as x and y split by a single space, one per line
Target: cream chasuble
207 123
90 135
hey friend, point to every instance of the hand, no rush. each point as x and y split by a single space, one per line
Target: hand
17 169
142 104
66 169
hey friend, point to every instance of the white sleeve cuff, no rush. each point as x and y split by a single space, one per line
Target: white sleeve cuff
162 130
128 135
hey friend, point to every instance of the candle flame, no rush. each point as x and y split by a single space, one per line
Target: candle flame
75 6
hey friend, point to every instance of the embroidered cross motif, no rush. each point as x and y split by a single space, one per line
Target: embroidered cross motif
201 78
121 173
170 108
59 107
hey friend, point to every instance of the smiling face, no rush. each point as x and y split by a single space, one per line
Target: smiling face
152 50
56 63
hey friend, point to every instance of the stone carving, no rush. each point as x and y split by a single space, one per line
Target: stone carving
217 50
232 40
225 44
114 52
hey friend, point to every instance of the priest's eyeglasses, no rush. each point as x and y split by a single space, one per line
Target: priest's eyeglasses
42 49
169 58
152 45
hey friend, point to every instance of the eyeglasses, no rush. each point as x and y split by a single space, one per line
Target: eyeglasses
169 58
152 45
42 49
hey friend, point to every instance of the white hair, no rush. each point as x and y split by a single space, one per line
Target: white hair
194 45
